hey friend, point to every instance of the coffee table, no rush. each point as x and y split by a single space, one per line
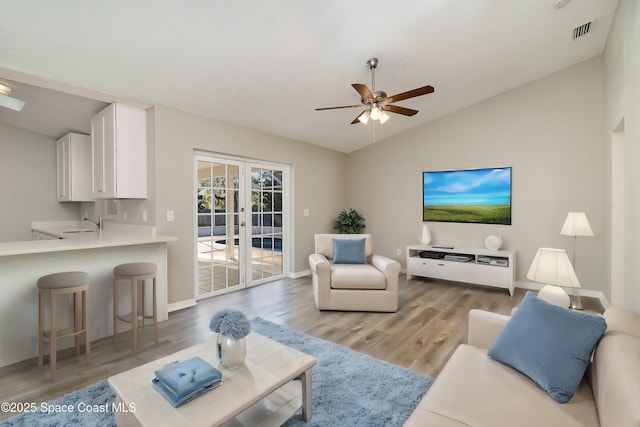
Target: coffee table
261 392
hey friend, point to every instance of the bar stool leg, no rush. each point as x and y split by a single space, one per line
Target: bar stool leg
155 311
41 328
142 307
53 337
115 309
85 315
134 312
77 319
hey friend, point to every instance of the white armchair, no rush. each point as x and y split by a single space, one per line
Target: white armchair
372 286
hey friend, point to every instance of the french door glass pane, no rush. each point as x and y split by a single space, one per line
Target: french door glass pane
266 233
218 239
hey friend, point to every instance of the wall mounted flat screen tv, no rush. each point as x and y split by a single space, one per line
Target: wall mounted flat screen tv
481 196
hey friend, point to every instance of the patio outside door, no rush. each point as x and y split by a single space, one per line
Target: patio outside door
236 248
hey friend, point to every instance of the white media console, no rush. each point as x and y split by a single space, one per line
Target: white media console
469 265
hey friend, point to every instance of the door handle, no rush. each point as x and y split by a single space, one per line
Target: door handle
242 224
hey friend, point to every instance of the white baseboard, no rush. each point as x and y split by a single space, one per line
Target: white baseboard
181 305
532 286
298 274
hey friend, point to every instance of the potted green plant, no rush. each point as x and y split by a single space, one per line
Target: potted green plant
349 222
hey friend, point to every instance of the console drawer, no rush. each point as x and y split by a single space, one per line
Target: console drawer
434 268
480 274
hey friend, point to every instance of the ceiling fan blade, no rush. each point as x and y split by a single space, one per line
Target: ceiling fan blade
364 91
410 94
400 110
335 108
356 120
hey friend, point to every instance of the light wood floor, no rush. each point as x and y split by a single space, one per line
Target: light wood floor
420 336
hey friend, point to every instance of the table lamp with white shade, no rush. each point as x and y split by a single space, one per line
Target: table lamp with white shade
576 225
552 267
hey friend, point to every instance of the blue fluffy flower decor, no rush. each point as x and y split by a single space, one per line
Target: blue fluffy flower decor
230 322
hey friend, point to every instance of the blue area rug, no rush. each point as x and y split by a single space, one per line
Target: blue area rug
349 389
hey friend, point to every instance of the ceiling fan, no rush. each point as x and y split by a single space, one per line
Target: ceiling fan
377 102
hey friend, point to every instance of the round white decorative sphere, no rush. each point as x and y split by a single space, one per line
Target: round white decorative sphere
493 242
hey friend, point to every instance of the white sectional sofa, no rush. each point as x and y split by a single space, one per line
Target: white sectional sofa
474 390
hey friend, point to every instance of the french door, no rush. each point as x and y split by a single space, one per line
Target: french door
241 232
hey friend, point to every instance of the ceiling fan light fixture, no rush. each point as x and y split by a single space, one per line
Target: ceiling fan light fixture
364 117
375 112
384 117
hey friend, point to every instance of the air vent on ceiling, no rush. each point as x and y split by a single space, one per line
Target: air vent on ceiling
582 30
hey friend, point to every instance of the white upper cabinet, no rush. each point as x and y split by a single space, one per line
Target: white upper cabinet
73 154
119 153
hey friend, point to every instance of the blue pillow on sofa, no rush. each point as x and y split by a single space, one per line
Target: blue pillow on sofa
349 251
549 344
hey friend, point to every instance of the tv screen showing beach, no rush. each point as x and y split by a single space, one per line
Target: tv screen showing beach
480 196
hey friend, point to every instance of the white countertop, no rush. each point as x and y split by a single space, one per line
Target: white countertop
114 234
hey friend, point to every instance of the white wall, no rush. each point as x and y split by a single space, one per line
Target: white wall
549 131
622 103
318 178
28 183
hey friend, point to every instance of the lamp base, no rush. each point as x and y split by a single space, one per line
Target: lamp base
554 295
577 303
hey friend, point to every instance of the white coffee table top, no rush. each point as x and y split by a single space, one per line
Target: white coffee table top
269 366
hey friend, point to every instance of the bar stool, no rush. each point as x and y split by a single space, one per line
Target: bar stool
75 283
135 272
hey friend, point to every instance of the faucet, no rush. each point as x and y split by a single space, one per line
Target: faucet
97 222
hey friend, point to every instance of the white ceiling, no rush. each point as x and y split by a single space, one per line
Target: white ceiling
266 65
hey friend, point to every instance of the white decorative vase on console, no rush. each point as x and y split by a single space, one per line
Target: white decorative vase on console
493 242
425 237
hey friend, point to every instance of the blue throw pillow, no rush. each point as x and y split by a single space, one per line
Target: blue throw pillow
349 251
549 344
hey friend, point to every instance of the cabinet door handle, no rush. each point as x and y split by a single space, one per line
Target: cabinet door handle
440 265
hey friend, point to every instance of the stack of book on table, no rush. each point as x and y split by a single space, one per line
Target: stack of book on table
180 382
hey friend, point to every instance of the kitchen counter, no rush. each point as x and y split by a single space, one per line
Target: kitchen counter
64 237
23 263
